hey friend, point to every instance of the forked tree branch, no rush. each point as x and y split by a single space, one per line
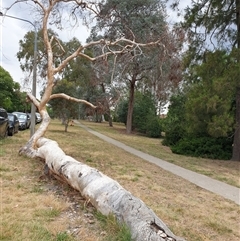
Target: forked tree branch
67 97
124 45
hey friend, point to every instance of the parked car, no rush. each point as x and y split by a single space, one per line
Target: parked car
30 116
39 117
24 120
3 123
13 124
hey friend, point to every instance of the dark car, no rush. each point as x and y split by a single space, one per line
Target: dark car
24 120
3 123
13 124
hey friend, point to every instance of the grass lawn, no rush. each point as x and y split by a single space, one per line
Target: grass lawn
222 170
34 207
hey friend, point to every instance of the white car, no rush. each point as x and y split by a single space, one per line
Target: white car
24 120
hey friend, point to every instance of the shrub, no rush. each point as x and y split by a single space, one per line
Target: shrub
143 111
121 112
153 127
175 123
208 147
173 135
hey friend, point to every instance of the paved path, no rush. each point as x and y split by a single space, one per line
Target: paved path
212 185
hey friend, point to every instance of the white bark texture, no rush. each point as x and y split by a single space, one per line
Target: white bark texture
106 195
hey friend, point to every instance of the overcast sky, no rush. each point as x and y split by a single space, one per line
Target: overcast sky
12 30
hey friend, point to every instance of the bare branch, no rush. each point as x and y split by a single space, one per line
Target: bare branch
67 97
33 99
60 46
124 46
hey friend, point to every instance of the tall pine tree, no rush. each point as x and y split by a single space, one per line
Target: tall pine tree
212 25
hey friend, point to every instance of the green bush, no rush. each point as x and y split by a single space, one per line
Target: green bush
153 127
174 125
143 111
121 112
173 135
208 147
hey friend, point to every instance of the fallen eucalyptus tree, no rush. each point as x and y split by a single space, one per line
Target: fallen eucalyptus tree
103 192
106 195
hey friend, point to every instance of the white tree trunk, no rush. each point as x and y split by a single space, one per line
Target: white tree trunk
107 195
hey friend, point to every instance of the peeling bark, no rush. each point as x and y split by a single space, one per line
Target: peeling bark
106 195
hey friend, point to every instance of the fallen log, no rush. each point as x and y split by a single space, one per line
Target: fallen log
105 194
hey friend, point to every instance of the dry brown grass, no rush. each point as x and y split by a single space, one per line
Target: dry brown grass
34 208
225 171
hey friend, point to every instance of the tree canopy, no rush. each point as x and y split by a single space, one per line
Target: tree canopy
212 27
149 68
210 106
11 98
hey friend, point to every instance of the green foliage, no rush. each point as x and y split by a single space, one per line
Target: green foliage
174 123
220 21
207 147
144 18
11 98
144 109
210 98
50 111
201 118
6 86
63 108
144 114
25 54
121 111
146 22
153 127
218 18
78 70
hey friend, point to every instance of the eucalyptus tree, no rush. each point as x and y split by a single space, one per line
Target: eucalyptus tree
25 54
107 92
163 79
215 25
142 21
105 194
102 71
77 70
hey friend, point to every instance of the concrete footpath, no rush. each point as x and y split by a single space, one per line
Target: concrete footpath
225 190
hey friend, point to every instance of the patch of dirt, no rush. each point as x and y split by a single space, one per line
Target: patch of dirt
79 218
